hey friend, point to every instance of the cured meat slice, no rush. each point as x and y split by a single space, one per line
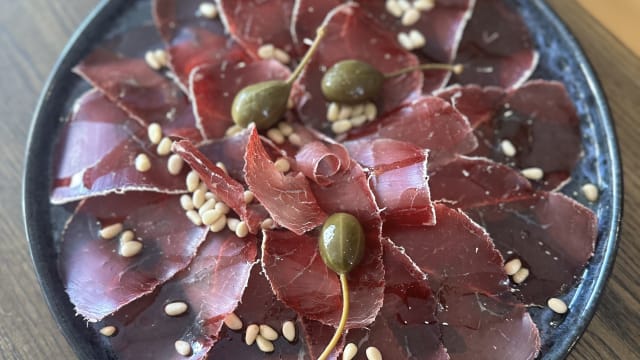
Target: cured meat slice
553 235
398 179
307 16
442 26
96 154
302 281
496 48
350 35
287 197
480 318
98 280
468 182
213 88
319 162
118 70
223 186
203 286
406 327
229 151
477 103
538 118
254 23
428 122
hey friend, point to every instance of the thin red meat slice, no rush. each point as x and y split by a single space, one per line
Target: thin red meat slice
288 198
307 16
86 167
406 327
398 178
145 331
229 151
319 161
428 122
496 48
442 26
468 182
539 119
553 235
213 88
350 35
303 282
254 23
146 95
223 186
98 280
480 318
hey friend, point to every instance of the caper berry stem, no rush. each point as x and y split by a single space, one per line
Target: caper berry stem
343 319
307 57
455 68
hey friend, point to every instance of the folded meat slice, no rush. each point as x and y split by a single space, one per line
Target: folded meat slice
97 278
287 197
428 122
118 69
538 119
469 182
254 23
552 235
144 330
213 88
319 161
479 317
223 186
398 178
351 35
96 154
496 48
442 26
406 326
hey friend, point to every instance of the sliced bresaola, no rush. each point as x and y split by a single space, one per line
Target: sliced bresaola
319 161
98 280
480 317
539 119
467 182
144 330
223 186
254 23
97 150
553 235
307 16
442 26
120 72
496 48
351 35
428 122
287 197
406 327
213 88
398 179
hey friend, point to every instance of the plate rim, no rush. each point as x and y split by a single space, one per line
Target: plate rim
105 9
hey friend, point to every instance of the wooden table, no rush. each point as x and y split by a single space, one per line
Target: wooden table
32 34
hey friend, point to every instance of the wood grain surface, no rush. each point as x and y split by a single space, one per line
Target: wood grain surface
32 34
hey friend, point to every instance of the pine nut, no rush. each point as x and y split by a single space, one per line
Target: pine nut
285 128
357 110
150 59
155 133
266 51
512 267
267 224
295 139
176 308
224 208
242 229
185 202
281 56
417 39
404 5
520 276
174 164
424 5
394 8
591 192
268 332
130 248
208 205
370 111
198 198
350 351
233 322
410 17
252 333
223 167
333 112
345 112
111 231
507 148
164 147
194 217
161 57
358 120
232 223
209 217
208 10
193 181
248 196
232 130
276 136
108 330
341 126
209 195
289 330
127 236
142 163
219 225
182 347
533 173
282 165
373 353
405 41
264 345
557 305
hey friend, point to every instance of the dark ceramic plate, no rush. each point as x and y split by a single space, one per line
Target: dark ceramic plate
560 59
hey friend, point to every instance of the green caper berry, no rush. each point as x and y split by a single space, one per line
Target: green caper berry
263 103
351 82
341 242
